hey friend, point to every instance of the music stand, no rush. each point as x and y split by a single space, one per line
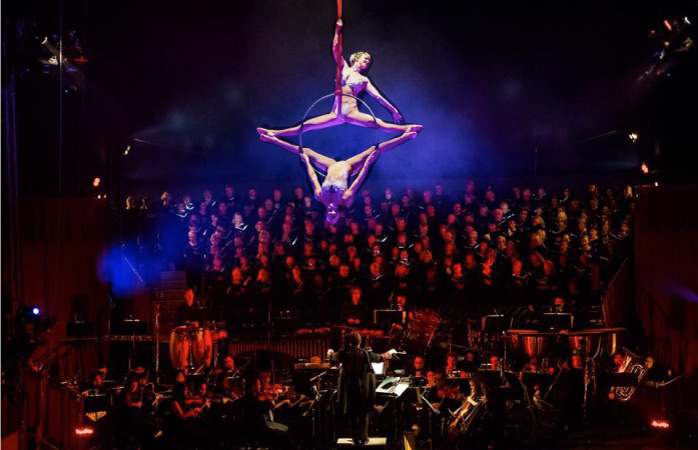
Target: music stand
622 379
496 323
96 406
389 317
556 321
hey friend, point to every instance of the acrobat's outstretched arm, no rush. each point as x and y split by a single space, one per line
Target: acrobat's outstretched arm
317 188
348 195
337 44
373 92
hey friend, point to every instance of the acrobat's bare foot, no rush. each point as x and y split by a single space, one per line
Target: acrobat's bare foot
415 128
267 138
263 131
410 134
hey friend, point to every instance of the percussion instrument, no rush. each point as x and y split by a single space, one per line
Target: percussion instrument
613 340
179 347
531 343
186 342
202 346
593 338
298 347
422 328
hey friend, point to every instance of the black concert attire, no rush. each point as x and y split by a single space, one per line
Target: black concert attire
256 421
352 311
186 313
356 388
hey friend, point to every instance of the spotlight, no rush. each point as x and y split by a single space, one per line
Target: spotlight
645 168
28 315
685 19
660 423
667 24
656 184
45 41
128 149
96 182
633 137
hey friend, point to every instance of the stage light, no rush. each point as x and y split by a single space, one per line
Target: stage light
656 184
633 137
128 149
645 168
84 431
45 41
36 311
660 423
685 19
667 24
96 182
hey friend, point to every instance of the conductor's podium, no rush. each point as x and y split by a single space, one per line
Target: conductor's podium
375 443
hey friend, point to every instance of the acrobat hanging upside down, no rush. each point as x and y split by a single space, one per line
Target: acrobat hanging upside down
335 190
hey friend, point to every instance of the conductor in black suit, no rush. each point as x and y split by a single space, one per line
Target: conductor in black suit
356 392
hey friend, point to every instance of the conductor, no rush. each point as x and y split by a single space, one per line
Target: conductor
356 391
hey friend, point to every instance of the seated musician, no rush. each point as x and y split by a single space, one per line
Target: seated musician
147 391
133 396
188 312
181 403
451 368
495 363
257 418
471 363
355 312
444 394
96 385
531 365
180 377
431 378
657 373
228 365
182 424
418 367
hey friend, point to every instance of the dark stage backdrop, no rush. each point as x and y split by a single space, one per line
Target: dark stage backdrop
62 244
666 271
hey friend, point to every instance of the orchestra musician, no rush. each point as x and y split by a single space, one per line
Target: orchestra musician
451 368
418 367
188 313
356 388
182 422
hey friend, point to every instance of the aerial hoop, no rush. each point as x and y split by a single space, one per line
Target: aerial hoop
307 112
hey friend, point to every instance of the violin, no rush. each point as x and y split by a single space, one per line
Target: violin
449 391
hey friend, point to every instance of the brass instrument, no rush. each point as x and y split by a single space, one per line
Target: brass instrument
631 364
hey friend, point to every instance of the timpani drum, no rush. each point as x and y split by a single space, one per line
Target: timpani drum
531 343
593 338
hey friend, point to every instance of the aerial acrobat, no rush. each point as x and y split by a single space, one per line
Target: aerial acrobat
335 190
345 108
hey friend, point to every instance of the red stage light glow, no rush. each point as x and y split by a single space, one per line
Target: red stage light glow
660 423
84 431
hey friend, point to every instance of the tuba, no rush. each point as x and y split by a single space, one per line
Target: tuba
632 364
